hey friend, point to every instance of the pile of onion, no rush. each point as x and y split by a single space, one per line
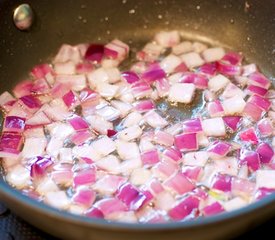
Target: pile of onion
83 136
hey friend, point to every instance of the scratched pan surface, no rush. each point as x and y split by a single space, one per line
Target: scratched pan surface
247 26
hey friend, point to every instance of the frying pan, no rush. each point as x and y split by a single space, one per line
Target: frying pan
247 26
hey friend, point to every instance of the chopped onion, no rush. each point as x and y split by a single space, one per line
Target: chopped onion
265 152
213 209
94 53
185 208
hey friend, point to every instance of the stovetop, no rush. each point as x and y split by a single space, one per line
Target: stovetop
15 228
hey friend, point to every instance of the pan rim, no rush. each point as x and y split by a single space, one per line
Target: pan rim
11 193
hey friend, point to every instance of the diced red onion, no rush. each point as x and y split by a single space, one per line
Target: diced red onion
40 71
259 79
116 50
153 73
192 172
80 136
253 111
162 85
111 132
260 102
215 108
257 90
173 153
14 124
249 69
150 157
10 143
222 182
23 88
109 184
200 81
85 197
84 67
186 141
249 135
110 205
141 89
94 53
40 86
83 177
70 99
163 138
265 152
130 196
165 168
213 209
179 183
265 127
78 123
40 166
228 69
94 213
232 122
30 101
208 69
188 206
192 126
130 77
144 106
219 148
233 58
250 158
263 192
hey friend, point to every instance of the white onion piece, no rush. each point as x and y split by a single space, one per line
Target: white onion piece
214 127
34 147
57 199
130 133
104 146
109 184
213 54
192 60
86 152
64 68
169 63
127 150
199 47
165 201
182 92
18 176
154 119
233 105
183 47
65 155
167 39
227 165
46 185
218 82
140 176
108 113
265 178
198 158
99 124
234 204
107 90
134 118
123 107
